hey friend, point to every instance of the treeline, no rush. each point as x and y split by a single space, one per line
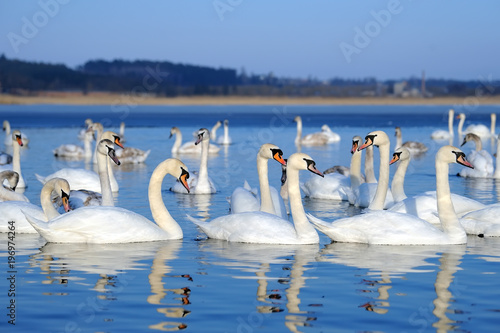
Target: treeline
163 78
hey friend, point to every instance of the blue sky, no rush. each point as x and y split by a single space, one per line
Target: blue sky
318 38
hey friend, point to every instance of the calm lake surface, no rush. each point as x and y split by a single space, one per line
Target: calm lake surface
202 285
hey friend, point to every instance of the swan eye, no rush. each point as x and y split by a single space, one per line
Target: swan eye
369 139
184 173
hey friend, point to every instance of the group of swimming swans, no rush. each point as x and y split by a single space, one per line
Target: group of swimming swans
264 225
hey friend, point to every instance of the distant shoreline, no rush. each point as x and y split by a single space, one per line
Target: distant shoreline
100 98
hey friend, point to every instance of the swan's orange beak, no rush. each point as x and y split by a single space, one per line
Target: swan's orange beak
368 143
65 201
395 157
355 145
118 143
278 156
311 166
183 179
19 140
461 159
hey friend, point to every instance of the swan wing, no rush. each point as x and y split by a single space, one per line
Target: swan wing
249 227
13 211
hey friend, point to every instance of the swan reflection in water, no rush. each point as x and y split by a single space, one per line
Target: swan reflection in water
259 261
110 266
386 263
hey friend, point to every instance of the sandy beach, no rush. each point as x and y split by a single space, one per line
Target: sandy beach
104 98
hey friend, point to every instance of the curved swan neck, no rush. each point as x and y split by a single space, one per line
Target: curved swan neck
369 172
298 138
16 163
160 213
383 179
451 115
355 169
97 127
103 169
398 181
266 202
213 132
203 172
478 143
399 140
178 142
303 227
461 125
493 123
46 201
87 146
446 212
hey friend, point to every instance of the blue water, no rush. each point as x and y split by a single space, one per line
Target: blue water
202 285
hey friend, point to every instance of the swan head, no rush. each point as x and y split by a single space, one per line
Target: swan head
88 122
356 140
269 151
173 130
325 128
62 186
301 161
226 122
203 135
376 138
461 116
397 131
105 147
401 154
113 137
12 177
470 137
451 154
297 119
16 136
179 170
6 125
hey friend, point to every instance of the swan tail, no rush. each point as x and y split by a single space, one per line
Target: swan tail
319 224
39 225
198 222
41 179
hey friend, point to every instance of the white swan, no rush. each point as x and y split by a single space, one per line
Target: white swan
8 193
372 195
188 147
335 186
479 158
442 134
122 132
313 139
200 183
8 135
81 179
243 200
332 136
16 158
261 227
131 155
481 130
414 147
398 180
83 132
13 210
213 131
71 151
225 139
98 224
386 227
483 222
461 122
